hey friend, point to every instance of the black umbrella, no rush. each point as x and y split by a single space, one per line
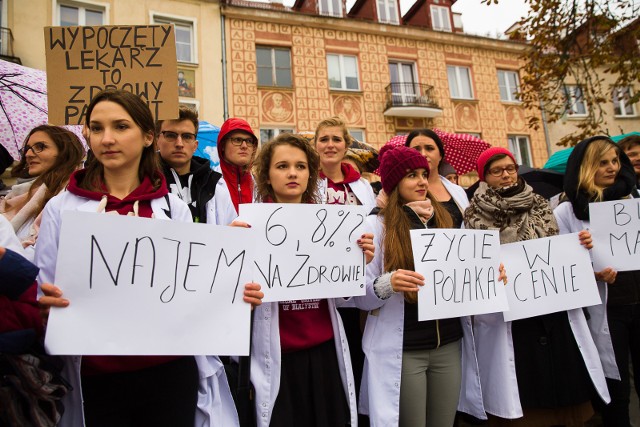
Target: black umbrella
544 182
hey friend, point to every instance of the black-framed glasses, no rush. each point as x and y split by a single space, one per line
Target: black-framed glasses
498 171
173 136
38 147
238 140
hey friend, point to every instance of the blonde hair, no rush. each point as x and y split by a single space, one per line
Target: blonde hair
334 121
590 164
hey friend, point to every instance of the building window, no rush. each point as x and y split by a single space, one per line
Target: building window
519 146
509 84
185 37
267 134
621 105
574 101
77 13
388 11
459 82
403 82
274 66
357 134
440 20
343 72
331 7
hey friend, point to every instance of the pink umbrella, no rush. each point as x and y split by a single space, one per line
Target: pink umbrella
23 105
461 150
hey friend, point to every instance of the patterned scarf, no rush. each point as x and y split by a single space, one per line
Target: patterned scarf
516 211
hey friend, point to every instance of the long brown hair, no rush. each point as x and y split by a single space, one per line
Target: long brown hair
396 238
142 117
264 191
70 155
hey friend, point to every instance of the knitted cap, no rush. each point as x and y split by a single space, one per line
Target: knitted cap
487 155
395 161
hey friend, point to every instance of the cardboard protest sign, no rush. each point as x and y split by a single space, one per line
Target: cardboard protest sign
615 229
461 269
548 275
307 251
82 61
139 286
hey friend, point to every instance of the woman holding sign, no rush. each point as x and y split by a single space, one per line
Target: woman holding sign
124 178
598 171
538 371
300 367
413 370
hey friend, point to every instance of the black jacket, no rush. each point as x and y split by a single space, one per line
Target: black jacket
203 185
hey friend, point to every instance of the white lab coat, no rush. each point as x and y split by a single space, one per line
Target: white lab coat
382 345
215 405
266 360
220 209
598 324
360 188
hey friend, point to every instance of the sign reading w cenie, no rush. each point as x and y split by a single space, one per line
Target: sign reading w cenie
82 61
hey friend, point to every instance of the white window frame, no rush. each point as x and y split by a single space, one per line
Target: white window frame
510 90
572 101
343 78
274 66
83 6
364 134
442 23
514 142
458 69
389 6
623 103
165 18
407 96
276 131
329 11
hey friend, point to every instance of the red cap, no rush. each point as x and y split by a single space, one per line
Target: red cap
487 155
231 125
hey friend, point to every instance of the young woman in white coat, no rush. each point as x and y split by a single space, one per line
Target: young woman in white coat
450 195
539 371
597 171
300 364
340 183
124 178
413 370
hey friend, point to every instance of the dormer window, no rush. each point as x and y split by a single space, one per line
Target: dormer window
440 20
388 11
330 8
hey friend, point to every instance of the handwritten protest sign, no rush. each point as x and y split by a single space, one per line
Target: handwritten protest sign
307 251
615 229
82 61
138 286
461 269
548 275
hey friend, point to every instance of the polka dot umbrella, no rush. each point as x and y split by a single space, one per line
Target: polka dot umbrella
23 105
461 150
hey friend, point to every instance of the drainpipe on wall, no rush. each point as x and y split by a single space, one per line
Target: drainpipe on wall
545 128
225 104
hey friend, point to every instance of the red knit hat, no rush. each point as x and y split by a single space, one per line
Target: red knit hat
487 155
395 161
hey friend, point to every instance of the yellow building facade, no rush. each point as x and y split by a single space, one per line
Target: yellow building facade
197 23
434 60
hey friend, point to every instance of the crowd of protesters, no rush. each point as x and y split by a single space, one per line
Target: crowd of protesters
365 360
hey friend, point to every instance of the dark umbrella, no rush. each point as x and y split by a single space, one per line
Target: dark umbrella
544 182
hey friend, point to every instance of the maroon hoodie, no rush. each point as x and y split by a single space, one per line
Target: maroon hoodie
339 193
144 193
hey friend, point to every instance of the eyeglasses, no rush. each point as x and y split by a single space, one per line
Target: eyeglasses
38 147
173 137
238 140
511 169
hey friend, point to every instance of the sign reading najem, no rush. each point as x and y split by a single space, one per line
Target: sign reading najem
82 61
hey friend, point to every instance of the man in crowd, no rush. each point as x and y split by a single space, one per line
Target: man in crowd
237 146
191 177
631 147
